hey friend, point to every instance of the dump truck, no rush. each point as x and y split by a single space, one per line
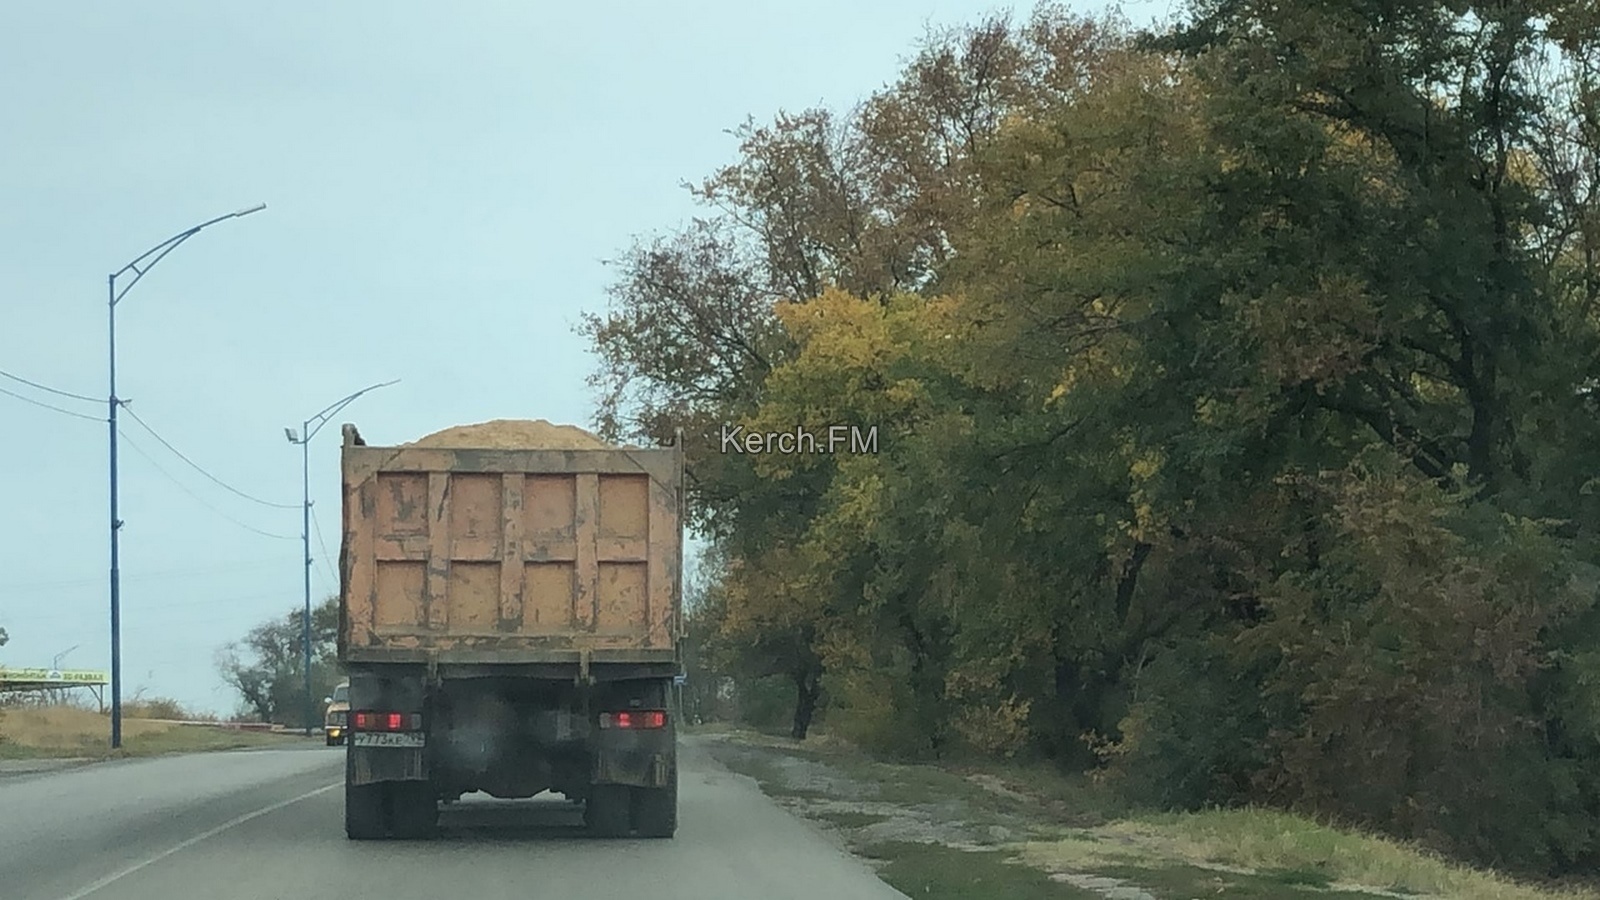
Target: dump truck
510 619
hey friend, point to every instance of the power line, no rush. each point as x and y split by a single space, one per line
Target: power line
50 390
64 412
197 497
221 603
196 466
332 576
162 575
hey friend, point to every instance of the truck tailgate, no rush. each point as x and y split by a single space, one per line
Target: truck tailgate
509 555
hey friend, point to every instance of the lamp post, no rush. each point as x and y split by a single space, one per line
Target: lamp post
141 264
308 430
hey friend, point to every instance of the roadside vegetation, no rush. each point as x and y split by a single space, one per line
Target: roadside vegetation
63 730
981 829
1235 389
266 667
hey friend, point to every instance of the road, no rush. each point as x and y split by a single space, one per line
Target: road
268 824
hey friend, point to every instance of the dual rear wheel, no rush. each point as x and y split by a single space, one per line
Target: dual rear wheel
407 810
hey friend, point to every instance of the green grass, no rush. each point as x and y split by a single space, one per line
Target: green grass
936 872
849 819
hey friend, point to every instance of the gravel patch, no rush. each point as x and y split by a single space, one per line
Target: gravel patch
799 774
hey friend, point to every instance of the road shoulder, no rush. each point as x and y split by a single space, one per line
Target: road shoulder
979 831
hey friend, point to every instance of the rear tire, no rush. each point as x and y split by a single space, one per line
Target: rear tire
414 810
655 810
363 812
606 812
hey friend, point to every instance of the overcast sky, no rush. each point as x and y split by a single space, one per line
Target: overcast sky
443 182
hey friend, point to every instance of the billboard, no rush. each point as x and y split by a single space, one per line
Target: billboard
36 676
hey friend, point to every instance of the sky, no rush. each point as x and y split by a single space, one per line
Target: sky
443 184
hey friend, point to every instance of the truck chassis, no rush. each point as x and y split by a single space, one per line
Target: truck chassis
607 740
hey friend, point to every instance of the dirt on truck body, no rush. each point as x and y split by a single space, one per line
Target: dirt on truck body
510 615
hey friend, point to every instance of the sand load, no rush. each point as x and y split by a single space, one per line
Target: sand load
512 434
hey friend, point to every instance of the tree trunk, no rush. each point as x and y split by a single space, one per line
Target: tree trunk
808 689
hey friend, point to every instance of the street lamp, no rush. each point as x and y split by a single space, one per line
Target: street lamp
141 264
308 430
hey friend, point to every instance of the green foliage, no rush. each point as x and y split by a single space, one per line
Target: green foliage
766 703
1194 733
1236 402
267 667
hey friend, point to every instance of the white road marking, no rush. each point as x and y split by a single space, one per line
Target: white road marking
197 839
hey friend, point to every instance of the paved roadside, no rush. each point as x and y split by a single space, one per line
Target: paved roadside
268 825
36 766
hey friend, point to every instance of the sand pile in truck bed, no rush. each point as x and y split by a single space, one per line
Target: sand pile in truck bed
512 434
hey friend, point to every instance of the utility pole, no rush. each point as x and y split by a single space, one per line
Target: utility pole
308 430
141 264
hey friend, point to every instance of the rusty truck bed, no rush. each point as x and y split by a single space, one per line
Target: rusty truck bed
509 556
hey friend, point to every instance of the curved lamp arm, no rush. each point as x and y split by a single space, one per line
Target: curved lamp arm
167 246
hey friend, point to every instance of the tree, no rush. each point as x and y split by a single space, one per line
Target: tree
267 666
866 202
1236 401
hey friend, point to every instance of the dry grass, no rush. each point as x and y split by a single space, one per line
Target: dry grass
65 727
66 731
1260 840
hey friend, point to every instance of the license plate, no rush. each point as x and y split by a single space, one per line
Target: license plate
387 739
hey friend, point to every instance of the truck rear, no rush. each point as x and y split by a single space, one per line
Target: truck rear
509 618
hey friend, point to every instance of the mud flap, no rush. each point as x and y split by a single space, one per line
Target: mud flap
638 758
370 765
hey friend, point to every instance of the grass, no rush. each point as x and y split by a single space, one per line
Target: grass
1268 841
848 818
1192 881
65 731
1075 827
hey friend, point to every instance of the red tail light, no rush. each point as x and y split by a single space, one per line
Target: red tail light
638 718
367 720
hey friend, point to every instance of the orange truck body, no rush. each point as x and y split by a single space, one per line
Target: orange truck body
463 556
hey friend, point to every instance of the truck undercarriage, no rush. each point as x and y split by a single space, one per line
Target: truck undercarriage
609 744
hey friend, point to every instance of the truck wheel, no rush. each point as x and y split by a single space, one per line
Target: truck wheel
655 810
415 809
607 809
363 812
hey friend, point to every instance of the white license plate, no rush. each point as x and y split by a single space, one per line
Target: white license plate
387 739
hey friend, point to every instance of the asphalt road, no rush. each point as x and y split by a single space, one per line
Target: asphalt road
267 824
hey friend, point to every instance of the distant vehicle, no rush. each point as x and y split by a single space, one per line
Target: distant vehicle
510 622
334 723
